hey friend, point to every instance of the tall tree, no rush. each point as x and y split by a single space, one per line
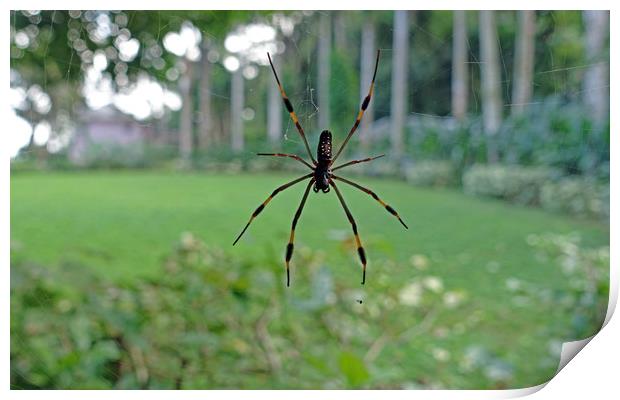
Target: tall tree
523 80
205 131
490 77
325 39
459 65
340 31
596 78
187 112
274 111
236 109
367 58
400 65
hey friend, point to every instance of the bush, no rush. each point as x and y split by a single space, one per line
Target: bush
555 133
521 185
431 173
587 270
558 134
576 196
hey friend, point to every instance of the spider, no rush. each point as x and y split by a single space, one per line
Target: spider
322 175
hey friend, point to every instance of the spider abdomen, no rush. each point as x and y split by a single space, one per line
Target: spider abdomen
324 160
324 151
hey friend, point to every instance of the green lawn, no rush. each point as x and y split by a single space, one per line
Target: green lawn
123 224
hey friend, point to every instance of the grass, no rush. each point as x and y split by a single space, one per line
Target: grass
123 224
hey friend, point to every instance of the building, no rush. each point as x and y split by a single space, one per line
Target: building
109 137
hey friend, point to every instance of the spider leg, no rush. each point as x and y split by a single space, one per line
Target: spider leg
357 162
289 108
296 157
362 109
360 249
374 196
290 245
262 206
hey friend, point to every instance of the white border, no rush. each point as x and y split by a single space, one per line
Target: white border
592 369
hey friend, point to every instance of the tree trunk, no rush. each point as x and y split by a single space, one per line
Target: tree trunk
524 62
274 112
459 66
236 109
186 125
340 31
596 78
367 60
205 136
490 77
324 69
400 65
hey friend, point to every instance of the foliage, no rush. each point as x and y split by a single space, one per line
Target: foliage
557 134
588 272
431 173
213 321
62 43
208 321
576 196
553 133
113 155
344 93
521 185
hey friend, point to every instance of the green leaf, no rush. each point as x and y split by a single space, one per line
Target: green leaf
353 369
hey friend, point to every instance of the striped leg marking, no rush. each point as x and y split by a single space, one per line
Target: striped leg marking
262 206
294 156
290 246
362 110
374 196
360 248
357 162
289 108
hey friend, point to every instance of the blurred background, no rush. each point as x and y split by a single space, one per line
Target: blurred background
134 137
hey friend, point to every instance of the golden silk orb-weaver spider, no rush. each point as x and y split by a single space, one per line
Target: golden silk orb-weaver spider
322 175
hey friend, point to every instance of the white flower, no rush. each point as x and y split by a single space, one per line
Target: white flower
498 371
453 299
420 261
411 294
440 354
433 283
513 284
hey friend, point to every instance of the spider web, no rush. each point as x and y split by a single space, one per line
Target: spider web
302 87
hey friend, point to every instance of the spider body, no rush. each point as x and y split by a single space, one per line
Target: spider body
322 175
322 170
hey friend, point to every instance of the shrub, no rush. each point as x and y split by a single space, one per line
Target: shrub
431 173
558 134
587 270
577 196
521 185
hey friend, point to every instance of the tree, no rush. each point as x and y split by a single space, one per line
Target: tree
61 45
523 80
205 130
490 77
186 125
596 78
367 58
400 65
340 31
325 33
274 111
236 109
459 65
